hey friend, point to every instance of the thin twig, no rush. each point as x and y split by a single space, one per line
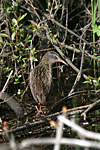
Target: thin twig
70 31
6 84
6 100
89 108
70 112
31 46
69 62
79 73
59 133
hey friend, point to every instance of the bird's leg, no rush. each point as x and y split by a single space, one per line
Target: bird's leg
39 110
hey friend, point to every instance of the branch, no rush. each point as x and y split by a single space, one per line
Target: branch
65 28
63 141
89 108
79 73
78 129
69 62
6 84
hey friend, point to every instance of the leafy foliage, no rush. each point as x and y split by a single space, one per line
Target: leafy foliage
27 28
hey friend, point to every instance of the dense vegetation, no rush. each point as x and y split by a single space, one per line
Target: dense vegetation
30 28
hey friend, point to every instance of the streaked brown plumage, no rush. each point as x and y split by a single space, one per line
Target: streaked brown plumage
41 77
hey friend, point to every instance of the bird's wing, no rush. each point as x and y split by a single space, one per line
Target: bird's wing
39 84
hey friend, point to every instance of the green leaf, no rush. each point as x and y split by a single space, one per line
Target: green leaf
98 2
93 3
24 59
97 91
67 78
20 76
87 82
14 56
14 21
29 37
98 33
20 44
94 81
24 64
16 82
16 79
3 35
13 36
21 17
7 69
34 59
26 49
99 27
95 30
94 26
21 26
47 10
33 50
99 79
34 29
38 26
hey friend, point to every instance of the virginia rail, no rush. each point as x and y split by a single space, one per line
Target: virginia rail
41 77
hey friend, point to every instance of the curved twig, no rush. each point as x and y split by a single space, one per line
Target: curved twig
89 108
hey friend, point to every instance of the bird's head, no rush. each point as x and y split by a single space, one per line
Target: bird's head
52 57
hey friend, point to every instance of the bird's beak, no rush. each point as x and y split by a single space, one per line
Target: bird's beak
60 60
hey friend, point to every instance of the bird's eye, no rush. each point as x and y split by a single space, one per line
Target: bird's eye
52 57
55 57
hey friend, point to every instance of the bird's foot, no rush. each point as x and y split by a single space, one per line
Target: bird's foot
39 111
42 110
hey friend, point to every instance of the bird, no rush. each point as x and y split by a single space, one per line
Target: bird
41 77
